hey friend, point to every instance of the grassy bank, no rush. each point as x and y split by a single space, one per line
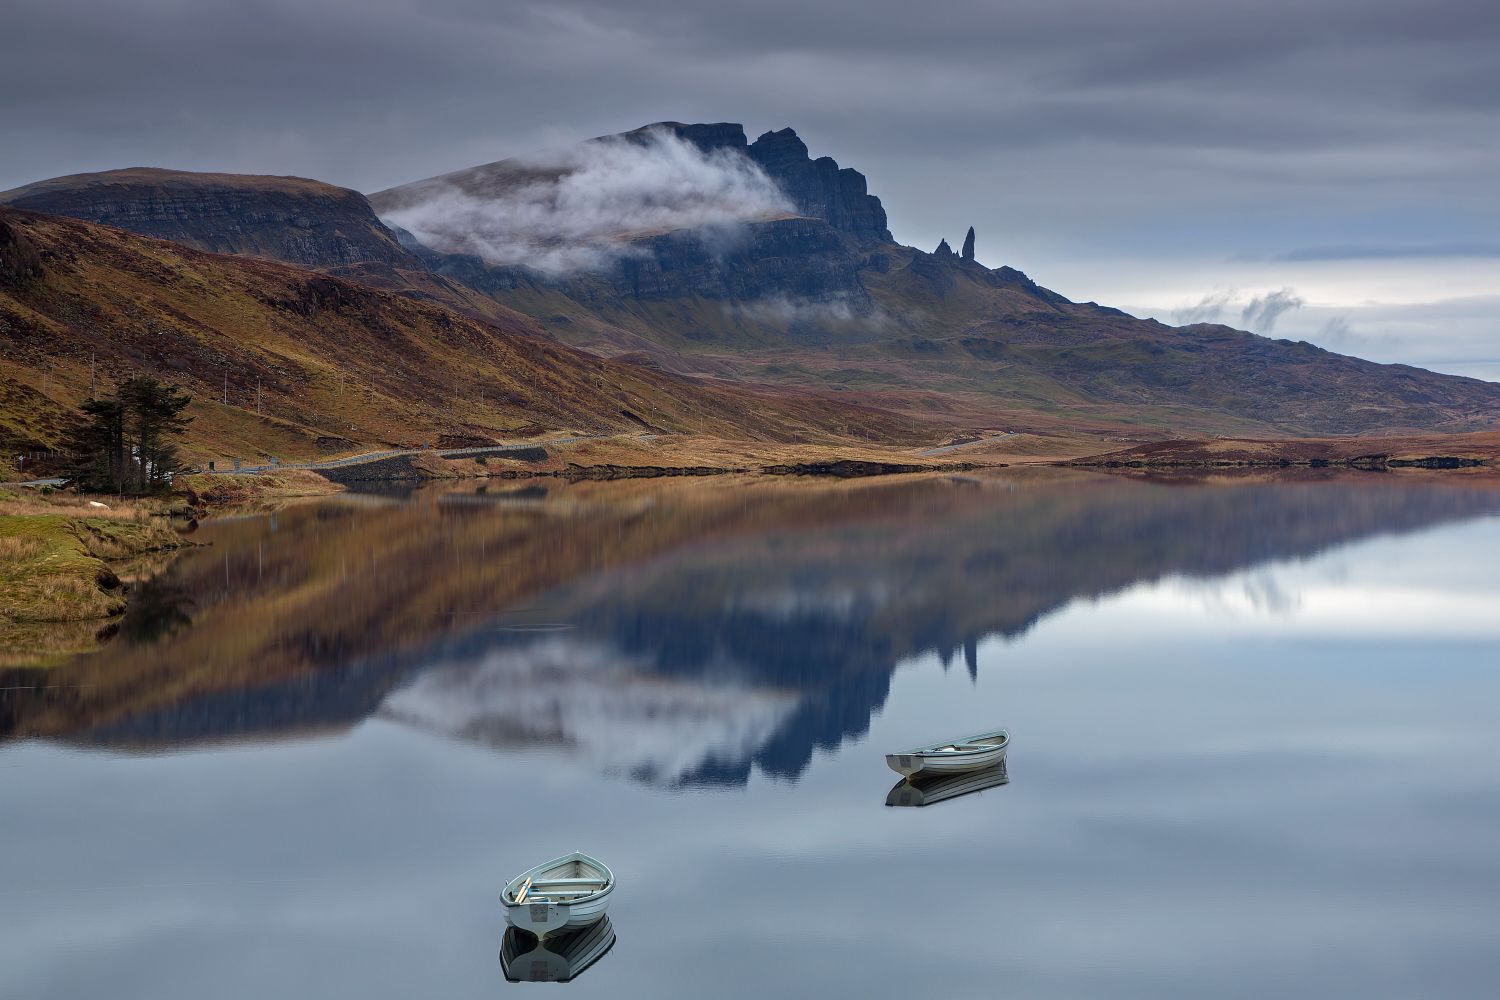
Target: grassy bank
64 568
218 492
68 562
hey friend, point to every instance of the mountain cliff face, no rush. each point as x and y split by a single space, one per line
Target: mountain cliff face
820 189
284 218
802 247
817 189
801 261
797 258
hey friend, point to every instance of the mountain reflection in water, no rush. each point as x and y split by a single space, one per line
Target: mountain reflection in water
678 633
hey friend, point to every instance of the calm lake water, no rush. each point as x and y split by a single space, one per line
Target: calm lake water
1254 748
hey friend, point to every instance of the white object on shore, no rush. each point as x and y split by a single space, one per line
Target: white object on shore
563 894
96 503
954 757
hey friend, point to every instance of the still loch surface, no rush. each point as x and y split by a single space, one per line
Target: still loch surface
1254 744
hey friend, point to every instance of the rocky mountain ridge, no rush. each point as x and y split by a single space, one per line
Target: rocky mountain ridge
809 290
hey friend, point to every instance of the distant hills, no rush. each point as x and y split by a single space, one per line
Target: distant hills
694 250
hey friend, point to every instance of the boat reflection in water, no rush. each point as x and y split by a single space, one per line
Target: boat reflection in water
925 791
525 958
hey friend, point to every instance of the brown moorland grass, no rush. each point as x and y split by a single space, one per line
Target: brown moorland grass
1482 446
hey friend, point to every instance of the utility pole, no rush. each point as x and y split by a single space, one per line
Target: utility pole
226 387
257 395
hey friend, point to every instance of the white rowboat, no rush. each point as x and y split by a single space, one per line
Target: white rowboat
955 757
564 894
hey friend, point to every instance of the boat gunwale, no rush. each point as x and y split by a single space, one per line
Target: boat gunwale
507 894
935 749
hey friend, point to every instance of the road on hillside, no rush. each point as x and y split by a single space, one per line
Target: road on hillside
966 444
371 456
375 456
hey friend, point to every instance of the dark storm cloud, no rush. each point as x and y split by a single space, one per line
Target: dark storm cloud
1061 129
171 77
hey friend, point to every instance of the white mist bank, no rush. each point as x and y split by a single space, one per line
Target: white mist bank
573 209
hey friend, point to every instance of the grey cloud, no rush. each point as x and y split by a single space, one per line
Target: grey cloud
1335 331
1264 310
1206 310
826 315
1062 70
1354 251
1458 336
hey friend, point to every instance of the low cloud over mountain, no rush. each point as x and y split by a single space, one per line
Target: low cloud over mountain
569 209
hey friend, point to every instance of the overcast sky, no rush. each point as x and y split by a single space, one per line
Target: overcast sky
1172 157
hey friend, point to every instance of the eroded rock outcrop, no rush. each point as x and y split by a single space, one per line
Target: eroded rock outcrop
819 188
800 260
786 266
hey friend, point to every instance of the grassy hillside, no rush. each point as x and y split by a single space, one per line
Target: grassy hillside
991 347
289 362
958 341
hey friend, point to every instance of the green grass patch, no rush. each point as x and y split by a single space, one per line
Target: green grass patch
55 567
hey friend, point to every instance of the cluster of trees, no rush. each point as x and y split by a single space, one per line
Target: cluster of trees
125 443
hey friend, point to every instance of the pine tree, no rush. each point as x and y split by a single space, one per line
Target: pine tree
153 417
97 442
124 443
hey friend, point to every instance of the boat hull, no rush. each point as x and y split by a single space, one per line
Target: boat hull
935 761
543 919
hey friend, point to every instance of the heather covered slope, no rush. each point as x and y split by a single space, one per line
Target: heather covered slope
997 332
312 363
